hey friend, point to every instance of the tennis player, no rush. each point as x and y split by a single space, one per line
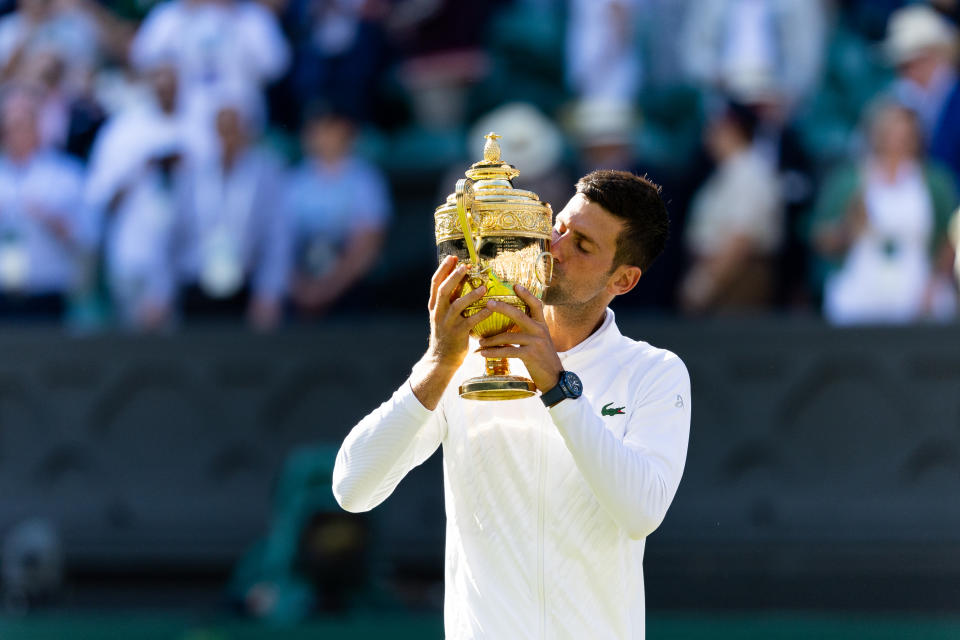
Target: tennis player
549 499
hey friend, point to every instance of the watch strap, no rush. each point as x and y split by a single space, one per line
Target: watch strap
554 395
568 386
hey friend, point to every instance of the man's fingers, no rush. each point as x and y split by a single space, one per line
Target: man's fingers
478 317
523 320
449 264
507 337
448 285
461 303
500 352
533 302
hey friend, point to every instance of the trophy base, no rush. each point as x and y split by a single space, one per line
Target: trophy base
497 388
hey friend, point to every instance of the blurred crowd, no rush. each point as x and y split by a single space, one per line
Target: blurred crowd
271 161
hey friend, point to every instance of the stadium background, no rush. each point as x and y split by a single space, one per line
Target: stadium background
175 484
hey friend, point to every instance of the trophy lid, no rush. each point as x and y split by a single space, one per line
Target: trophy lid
492 167
497 208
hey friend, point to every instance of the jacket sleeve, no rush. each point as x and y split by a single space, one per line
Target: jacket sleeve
382 448
634 476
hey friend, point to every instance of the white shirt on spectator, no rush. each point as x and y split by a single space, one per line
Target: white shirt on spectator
138 233
741 198
885 273
48 186
239 216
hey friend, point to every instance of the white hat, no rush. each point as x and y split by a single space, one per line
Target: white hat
530 141
752 85
913 30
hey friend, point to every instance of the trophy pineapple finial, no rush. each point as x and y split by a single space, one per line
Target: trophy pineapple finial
491 150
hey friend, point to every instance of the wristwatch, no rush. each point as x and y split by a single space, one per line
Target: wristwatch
569 386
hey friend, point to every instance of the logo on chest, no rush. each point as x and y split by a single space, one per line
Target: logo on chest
607 410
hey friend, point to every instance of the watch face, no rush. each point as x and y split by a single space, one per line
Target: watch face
573 384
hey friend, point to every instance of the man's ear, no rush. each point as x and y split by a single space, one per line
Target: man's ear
624 278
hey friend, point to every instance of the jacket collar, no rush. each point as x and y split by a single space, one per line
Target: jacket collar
597 342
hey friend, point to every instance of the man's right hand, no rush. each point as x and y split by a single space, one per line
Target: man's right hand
449 332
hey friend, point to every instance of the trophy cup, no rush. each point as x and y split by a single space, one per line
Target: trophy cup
503 235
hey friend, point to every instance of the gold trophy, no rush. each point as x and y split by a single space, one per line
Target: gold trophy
503 235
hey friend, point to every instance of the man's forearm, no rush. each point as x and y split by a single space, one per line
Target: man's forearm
429 380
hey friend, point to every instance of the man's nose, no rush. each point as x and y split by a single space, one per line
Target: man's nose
557 246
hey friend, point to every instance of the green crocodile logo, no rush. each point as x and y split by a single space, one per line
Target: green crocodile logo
607 411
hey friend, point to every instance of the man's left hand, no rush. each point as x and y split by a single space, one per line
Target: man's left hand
530 341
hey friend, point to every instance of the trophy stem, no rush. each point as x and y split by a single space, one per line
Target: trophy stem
497 384
498 367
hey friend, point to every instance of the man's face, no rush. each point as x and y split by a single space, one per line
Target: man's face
329 138
895 134
230 127
164 82
584 244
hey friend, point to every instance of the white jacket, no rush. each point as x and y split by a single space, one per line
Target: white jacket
547 510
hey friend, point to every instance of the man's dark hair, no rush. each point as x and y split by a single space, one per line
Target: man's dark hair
635 200
319 110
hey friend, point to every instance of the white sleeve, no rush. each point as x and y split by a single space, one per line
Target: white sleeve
382 448
636 477
114 160
265 50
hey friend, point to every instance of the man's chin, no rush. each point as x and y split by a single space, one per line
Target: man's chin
553 295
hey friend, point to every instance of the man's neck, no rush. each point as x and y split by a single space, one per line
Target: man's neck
572 324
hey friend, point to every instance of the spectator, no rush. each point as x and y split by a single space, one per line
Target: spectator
778 142
880 227
340 207
921 44
69 114
45 235
725 42
55 47
232 239
218 47
603 57
131 186
60 29
736 221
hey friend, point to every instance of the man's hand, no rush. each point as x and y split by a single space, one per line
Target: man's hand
531 342
449 332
